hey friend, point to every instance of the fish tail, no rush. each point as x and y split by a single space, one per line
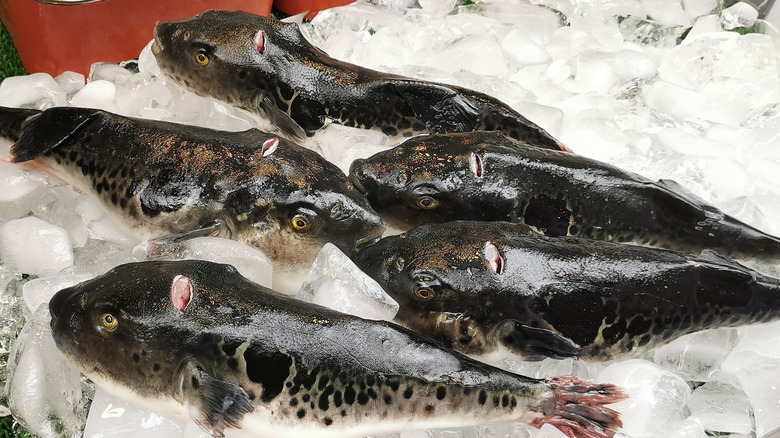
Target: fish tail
45 131
577 408
11 121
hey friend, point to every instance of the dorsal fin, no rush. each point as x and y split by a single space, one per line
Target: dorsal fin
46 131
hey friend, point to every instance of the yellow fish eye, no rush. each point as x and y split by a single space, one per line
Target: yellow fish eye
300 223
425 293
426 202
109 321
201 58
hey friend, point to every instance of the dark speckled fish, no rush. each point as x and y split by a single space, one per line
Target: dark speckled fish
267 67
159 178
482 287
198 340
486 176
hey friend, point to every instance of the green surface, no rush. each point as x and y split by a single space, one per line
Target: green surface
10 64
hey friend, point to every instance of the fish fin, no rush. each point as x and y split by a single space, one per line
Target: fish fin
429 101
161 247
283 121
690 197
536 343
577 408
43 132
12 120
212 403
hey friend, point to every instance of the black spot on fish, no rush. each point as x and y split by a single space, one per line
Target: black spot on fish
323 401
114 199
644 340
408 392
441 392
496 401
482 397
417 126
269 370
156 367
505 400
293 402
230 348
466 391
232 363
195 383
639 326
136 357
73 155
327 421
294 390
429 409
388 399
614 332
513 402
306 398
251 395
301 413
371 393
389 131
323 382
349 395
370 381
362 398
306 380
343 413
394 385
337 400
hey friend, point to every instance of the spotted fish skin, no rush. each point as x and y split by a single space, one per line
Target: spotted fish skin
160 178
196 338
486 176
268 67
480 287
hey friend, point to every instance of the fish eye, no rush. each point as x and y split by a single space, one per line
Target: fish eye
109 321
300 223
425 293
201 58
426 202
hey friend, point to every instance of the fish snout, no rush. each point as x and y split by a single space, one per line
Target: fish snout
163 32
372 229
357 175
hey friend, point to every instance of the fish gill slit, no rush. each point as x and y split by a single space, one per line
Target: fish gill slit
475 164
494 257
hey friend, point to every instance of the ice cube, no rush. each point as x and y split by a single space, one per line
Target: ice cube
697 356
548 117
39 291
721 408
479 54
656 395
595 75
147 62
668 12
672 100
343 144
111 230
33 246
44 392
250 262
437 7
757 375
96 94
19 188
697 8
37 90
688 428
110 416
703 26
336 282
98 256
522 49
740 14
108 71
70 82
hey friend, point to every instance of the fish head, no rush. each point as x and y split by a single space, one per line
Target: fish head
225 54
311 203
428 179
128 328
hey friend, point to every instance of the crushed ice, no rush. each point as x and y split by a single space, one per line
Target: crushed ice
673 96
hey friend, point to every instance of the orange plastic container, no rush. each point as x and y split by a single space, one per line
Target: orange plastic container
294 7
56 38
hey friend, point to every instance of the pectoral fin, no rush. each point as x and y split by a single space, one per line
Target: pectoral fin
442 109
213 404
536 343
286 124
165 246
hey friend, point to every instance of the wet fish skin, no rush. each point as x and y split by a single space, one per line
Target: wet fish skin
160 178
481 287
11 120
268 67
196 338
486 176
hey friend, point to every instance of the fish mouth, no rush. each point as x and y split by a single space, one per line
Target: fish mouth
355 182
366 241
